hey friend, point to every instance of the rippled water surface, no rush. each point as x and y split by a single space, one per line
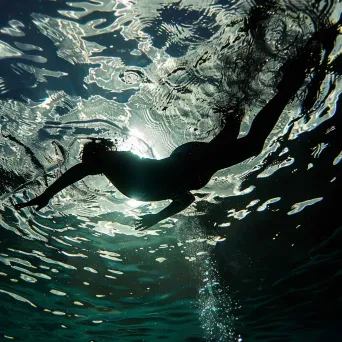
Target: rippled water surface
257 257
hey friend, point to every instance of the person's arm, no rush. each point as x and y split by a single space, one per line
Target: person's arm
176 206
71 176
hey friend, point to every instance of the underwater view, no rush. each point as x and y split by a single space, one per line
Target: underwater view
249 248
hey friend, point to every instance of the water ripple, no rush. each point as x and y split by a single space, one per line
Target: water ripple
151 75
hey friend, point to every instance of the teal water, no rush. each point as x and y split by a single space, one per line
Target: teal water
257 257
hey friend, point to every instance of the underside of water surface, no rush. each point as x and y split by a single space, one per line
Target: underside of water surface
256 257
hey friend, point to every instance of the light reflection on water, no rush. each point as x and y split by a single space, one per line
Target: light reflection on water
147 74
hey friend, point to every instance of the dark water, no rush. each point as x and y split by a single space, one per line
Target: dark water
256 258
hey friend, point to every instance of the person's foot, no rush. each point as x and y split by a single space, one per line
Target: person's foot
309 57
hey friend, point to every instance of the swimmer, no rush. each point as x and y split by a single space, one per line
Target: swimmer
191 165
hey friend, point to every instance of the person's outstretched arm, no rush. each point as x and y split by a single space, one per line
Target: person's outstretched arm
176 206
71 176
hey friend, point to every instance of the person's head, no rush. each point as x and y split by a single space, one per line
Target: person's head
93 149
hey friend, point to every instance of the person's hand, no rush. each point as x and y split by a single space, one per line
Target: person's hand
147 221
40 201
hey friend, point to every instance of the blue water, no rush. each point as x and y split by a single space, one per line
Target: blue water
257 257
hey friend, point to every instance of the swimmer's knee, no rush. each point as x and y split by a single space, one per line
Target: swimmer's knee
186 198
256 148
250 147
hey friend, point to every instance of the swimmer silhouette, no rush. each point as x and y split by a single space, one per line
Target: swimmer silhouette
190 166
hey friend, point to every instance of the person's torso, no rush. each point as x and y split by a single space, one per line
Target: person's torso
153 180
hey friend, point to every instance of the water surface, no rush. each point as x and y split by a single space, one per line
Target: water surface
257 257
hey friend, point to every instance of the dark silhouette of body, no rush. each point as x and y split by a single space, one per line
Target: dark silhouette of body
191 166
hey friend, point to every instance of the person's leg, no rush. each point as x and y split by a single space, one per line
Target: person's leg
294 74
230 131
229 153
189 148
